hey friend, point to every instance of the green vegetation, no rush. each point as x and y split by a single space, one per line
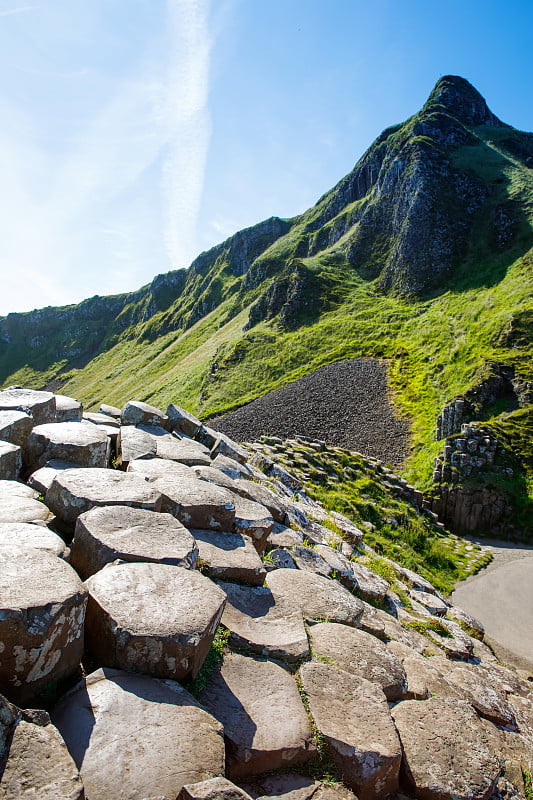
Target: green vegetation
214 657
426 626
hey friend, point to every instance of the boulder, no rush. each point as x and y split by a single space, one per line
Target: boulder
41 406
355 575
134 737
77 490
282 536
110 411
79 442
19 503
15 427
227 447
159 467
253 520
196 503
206 435
279 558
318 598
431 602
213 789
42 478
309 560
360 654
152 618
143 441
265 724
68 409
448 750
137 413
134 443
10 461
233 468
103 420
353 717
182 421
111 533
263 623
229 556
41 621
23 534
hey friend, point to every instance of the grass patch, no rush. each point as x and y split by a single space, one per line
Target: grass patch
214 657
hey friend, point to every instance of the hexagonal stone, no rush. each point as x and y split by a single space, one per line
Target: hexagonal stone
42 478
430 601
360 654
41 406
234 469
102 419
23 534
152 618
68 409
263 623
229 557
318 598
79 442
309 560
158 467
19 503
353 716
38 764
253 520
290 786
282 536
354 575
196 503
110 411
265 724
448 750
104 535
261 494
424 679
227 447
134 737
41 621
77 490
183 421
136 412
15 427
213 789
10 461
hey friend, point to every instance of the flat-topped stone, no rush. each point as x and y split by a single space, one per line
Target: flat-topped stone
353 717
360 654
196 503
213 789
264 729
134 737
229 557
234 469
41 406
103 535
291 786
15 427
77 490
10 461
263 623
318 598
19 503
227 447
42 611
109 411
152 618
183 421
354 575
159 467
101 419
135 412
79 442
252 519
143 441
42 478
309 560
24 534
68 409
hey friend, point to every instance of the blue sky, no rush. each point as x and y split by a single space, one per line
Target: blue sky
137 133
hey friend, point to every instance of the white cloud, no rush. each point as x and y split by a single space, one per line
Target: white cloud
21 10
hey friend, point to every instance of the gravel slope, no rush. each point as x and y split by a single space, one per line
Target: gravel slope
345 404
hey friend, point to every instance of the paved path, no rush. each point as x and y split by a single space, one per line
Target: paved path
501 597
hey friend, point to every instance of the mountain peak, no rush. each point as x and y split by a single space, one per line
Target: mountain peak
458 97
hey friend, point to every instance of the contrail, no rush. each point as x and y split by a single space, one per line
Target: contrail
188 123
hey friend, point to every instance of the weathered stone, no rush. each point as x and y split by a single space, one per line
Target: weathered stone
42 478
206 435
103 420
41 406
77 490
112 533
308 560
137 413
15 427
430 601
10 461
234 469
23 534
157 467
282 536
38 764
413 579
318 598
289 786
183 421
143 441
196 503
349 529
263 623
353 716
354 575
41 621
134 737
229 556
447 750
68 409
134 443
227 447
424 679
110 411
253 520
219 478
79 442
371 621
360 654
264 730
280 559
19 503
213 789
261 494
152 618
469 623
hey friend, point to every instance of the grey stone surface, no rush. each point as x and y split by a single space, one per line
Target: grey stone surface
24 534
234 469
77 490
353 716
282 536
291 786
424 678
360 654
253 520
15 427
41 621
41 406
103 420
229 557
110 411
80 442
68 409
318 598
196 503
19 503
10 461
430 601
309 560
136 412
181 420
42 478
448 750
263 623
152 618
261 494
159 467
264 730
213 789
103 535
143 441
134 737
227 447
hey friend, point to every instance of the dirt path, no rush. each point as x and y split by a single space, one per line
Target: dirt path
501 597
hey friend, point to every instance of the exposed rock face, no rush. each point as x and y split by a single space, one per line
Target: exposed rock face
317 597
10 461
229 556
23 534
80 443
15 427
137 413
40 406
